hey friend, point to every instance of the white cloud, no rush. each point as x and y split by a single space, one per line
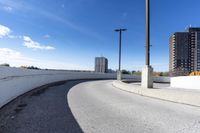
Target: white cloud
11 56
6 52
15 58
29 43
15 37
8 8
4 31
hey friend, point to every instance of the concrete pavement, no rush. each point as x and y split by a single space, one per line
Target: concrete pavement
162 91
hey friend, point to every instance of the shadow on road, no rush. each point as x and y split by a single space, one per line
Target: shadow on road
42 110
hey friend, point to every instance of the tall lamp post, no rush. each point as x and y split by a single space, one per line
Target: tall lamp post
147 72
119 77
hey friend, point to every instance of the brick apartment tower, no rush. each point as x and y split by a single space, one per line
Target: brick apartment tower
184 52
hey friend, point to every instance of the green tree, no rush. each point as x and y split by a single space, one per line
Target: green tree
5 64
125 72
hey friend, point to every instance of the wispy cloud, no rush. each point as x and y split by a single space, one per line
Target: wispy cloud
68 23
4 31
16 58
29 43
15 37
47 36
7 55
50 15
7 8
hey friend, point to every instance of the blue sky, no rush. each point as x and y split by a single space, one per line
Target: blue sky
68 34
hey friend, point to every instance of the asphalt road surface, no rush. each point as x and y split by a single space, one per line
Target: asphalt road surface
95 107
101 108
43 110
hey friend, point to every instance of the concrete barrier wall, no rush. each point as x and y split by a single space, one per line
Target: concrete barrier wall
15 81
186 82
8 72
12 87
155 79
161 79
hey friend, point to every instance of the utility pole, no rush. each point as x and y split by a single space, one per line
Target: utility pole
119 77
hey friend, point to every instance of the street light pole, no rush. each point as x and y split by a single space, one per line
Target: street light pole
147 71
147 32
120 45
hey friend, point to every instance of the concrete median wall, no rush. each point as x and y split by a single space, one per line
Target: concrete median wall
186 82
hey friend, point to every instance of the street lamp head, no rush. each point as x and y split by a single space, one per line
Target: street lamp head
118 30
123 29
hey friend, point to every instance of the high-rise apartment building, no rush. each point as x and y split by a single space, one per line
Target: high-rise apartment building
184 52
101 64
194 36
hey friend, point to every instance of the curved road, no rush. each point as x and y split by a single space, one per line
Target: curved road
95 107
100 107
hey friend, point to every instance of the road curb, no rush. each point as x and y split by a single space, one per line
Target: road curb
188 97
